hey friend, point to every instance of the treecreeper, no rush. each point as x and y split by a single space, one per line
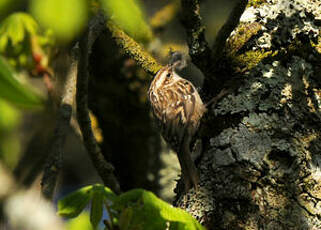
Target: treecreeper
178 109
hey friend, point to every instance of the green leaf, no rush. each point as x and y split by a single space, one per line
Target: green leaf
9 116
14 29
96 211
10 146
108 194
129 16
173 215
127 198
3 43
125 218
65 17
72 205
14 91
80 223
149 212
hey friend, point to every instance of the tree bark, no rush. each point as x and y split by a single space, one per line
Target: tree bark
260 167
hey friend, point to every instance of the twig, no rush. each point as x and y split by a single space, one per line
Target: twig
201 55
133 49
226 30
199 49
111 217
104 168
165 15
54 161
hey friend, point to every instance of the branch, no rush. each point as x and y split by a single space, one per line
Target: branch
199 49
133 49
54 161
226 30
104 168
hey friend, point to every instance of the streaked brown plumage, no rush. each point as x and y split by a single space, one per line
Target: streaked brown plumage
178 109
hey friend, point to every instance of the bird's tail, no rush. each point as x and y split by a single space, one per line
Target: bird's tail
189 171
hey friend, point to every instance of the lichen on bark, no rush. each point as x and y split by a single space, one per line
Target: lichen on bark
260 168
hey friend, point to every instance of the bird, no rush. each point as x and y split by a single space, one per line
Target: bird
178 109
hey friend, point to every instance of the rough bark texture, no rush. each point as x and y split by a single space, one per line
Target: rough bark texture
260 168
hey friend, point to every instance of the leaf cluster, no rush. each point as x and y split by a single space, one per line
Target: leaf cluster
26 38
136 209
14 91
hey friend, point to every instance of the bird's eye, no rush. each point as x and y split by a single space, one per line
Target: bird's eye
168 74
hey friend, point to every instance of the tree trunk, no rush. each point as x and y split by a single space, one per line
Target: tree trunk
260 168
